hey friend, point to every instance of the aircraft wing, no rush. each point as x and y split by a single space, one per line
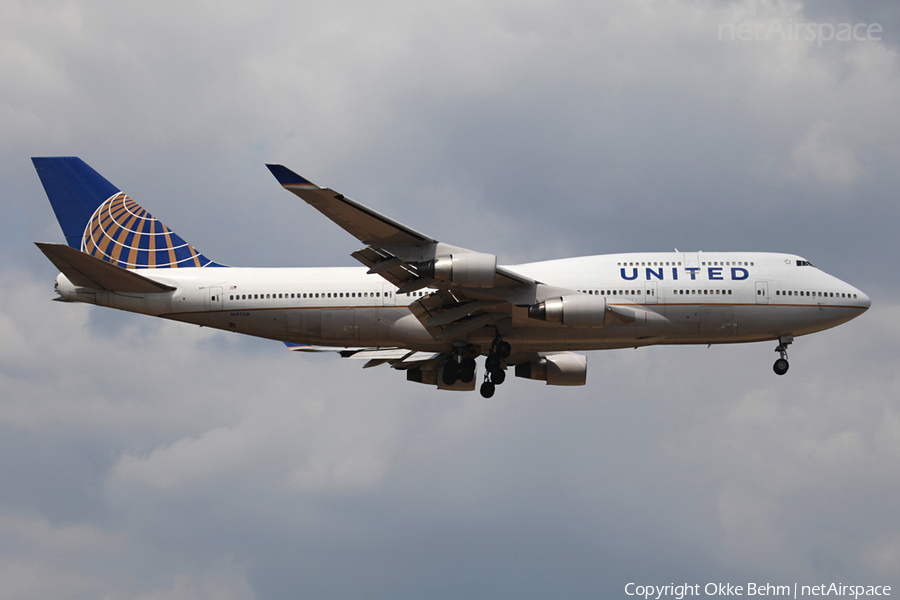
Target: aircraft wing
473 291
361 222
394 251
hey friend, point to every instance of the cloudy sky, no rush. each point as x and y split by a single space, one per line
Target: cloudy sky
149 460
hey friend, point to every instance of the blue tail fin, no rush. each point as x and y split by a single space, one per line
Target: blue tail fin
98 218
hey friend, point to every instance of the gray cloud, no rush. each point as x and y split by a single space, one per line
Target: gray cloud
147 459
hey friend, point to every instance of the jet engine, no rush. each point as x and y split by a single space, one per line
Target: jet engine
467 269
575 310
564 368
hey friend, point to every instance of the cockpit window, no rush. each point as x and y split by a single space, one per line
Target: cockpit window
804 263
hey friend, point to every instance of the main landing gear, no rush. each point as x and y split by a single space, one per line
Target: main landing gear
781 365
463 370
494 373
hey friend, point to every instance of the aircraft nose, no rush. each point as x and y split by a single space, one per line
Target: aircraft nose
864 301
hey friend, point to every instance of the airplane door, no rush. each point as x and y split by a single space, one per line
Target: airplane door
387 295
215 298
762 292
650 292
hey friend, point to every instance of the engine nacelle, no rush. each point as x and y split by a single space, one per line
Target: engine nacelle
467 269
575 310
565 368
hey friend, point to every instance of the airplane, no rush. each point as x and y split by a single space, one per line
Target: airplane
427 307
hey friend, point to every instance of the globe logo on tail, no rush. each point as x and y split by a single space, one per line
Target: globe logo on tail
124 234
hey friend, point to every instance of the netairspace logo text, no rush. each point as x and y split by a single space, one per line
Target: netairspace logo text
679 592
801 32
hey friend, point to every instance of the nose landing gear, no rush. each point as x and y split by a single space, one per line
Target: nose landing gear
781 365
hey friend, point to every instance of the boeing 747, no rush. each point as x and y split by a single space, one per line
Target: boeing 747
429 308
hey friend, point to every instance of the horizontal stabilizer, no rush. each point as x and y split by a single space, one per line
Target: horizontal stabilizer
84 270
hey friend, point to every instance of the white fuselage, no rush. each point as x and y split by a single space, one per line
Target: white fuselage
678 298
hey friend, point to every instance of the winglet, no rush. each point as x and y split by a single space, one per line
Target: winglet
288 178
300 347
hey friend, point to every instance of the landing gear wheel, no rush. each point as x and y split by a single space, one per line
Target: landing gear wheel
468 364
492 363
449 378
498 377
503 350
451 373
487 389
465 375
781 366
